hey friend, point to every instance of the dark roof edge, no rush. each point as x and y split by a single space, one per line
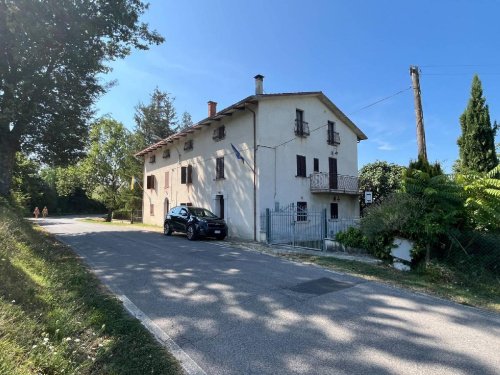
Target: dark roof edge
253 99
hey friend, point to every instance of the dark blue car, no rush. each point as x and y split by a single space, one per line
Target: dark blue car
195 222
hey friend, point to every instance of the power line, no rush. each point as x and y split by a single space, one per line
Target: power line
381 100
350 113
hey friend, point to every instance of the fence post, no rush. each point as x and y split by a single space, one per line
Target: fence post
325 228
268 225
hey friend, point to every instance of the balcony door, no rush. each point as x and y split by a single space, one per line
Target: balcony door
332 174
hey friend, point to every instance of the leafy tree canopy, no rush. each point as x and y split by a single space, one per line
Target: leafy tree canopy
105 169
51 55
156 120
477 141
381 178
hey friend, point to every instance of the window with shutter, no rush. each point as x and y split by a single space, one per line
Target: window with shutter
219 133
166 154
333 137
316 165
219 168
150 182
301 166
183 175
188 145
190 174
167 179
152 158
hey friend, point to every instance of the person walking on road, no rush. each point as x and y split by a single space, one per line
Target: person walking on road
45 212
36 212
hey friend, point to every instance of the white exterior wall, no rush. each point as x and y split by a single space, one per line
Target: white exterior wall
236 188
278 167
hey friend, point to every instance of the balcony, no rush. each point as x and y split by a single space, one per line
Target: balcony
322 182
301 128
333 138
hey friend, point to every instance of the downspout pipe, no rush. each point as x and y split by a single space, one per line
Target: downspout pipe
254 173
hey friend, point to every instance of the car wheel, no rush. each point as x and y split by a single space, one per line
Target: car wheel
220 238
167 229
191 233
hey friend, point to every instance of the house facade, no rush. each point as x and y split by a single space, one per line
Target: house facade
265 151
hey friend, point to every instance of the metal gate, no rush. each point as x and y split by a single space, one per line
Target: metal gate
295 226
301 228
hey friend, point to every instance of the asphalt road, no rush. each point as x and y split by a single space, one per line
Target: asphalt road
234 311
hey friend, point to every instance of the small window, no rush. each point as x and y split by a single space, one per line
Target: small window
188 145
187 174
150 182
333 137
219 133
334 210
301 211
301 166
316 165
152 158
166 154
167 179
301 127
219 168
152 209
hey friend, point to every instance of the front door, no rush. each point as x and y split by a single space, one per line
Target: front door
219 201
332 174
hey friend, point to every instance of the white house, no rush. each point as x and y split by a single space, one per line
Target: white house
288 148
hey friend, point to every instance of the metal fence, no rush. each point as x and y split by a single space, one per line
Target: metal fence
136 216
302 228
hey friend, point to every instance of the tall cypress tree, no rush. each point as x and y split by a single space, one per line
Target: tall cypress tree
477 142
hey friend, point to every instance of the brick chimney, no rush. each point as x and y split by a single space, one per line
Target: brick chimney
212 108
259 88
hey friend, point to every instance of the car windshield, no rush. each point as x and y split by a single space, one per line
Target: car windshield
201 212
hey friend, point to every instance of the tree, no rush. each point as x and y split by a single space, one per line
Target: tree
381 178
482 203
157 120
104 169
476 144
186 121
52 53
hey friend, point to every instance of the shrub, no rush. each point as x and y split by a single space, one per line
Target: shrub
352 237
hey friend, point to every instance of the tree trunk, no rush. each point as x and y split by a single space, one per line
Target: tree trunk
427 254
7 158
109 217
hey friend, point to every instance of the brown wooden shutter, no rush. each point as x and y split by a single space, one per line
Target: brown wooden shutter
190 174
183 175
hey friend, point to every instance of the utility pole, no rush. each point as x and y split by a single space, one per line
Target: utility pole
422 151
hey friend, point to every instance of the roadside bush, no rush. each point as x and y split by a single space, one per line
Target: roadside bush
352 237
121 214
379 245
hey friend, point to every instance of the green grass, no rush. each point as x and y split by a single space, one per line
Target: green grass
56 318
440 280
123 223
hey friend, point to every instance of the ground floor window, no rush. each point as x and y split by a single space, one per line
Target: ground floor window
334 210
301 211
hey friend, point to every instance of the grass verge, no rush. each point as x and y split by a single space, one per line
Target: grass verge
439 280
56 318
123 223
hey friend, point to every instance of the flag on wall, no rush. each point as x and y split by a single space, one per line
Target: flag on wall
237 153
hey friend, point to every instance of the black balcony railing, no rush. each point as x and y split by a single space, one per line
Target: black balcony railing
301 128
333 138
322 182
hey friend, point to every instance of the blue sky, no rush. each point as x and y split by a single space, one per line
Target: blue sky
356 52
